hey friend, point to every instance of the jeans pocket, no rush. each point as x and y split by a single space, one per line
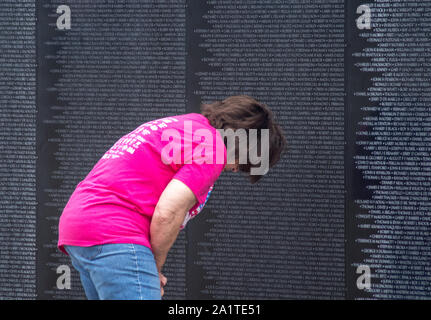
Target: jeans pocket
88 253
96 250
146 256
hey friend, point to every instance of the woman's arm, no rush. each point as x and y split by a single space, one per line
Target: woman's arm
174 203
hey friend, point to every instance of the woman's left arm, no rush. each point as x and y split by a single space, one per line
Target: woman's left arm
174 203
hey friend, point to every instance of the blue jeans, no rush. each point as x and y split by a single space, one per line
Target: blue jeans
116 271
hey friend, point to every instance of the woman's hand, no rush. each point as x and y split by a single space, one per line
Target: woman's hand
163 281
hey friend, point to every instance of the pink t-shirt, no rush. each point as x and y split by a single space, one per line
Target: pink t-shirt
116 200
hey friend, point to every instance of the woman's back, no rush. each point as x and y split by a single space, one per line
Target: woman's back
116 200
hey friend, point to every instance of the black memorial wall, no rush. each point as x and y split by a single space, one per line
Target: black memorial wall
344 214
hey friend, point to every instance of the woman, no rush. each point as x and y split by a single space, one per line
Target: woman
123 218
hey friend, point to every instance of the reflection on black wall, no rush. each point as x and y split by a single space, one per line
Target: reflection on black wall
350 195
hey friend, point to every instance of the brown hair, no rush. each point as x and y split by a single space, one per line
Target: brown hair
244 112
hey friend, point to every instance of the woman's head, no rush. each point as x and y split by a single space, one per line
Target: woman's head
244 112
